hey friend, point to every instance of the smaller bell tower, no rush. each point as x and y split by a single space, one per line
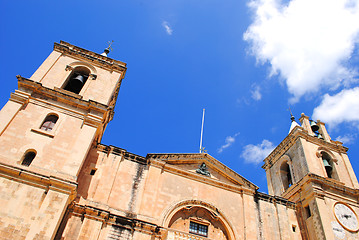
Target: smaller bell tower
309 168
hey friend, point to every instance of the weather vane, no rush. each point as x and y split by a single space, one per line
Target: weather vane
109 45
108 49
291 115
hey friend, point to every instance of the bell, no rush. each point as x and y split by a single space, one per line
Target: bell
77 83
320 136
314 126
327 165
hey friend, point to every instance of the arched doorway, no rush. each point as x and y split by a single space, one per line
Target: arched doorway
198 219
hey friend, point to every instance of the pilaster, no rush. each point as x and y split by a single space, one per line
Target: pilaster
304 120
323 131
49 216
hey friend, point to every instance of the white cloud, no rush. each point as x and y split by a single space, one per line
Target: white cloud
228 142
256 92
307 42
167 27
342 107
346 139
256 153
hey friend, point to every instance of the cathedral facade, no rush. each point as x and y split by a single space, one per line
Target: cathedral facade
57 181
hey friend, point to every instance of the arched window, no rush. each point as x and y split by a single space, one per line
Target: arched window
329 165
49 122
77 79
286 175
195 220
28 157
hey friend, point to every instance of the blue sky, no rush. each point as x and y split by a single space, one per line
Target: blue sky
243 61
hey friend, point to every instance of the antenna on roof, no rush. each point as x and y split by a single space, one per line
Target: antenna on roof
201 149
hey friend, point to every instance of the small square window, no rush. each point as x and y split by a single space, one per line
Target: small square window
92 171
198 229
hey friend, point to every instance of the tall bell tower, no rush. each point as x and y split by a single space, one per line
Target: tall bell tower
309 168
46 131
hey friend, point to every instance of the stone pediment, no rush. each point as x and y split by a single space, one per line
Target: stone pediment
202 167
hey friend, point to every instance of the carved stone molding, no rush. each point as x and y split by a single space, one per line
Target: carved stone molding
93 76
289 141
80 53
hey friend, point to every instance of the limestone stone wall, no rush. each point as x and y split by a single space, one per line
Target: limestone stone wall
296 159
304 158
53 73
88 227
299 166
19 203
117 182
59 152
342 169
276 221
125 196
163 190
29 212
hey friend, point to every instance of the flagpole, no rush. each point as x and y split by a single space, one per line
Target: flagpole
200 144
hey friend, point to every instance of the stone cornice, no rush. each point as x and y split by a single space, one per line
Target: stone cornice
20 97
121 152
287 143
319 186
107 216
290 140
203 179
157 160
38 180
234 187
189 158
77 52
275 199
31 87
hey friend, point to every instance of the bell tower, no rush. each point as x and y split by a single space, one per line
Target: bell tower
309 168
46 131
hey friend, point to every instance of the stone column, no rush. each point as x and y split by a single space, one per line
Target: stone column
325 219
90 229
11 108
79 151
250 216
45 66
49 216
304 120
350 170
323 131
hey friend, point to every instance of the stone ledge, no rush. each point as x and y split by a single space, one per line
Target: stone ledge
38 180
104 61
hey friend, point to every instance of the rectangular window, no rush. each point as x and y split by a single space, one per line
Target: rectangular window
198 229
294 228
307 211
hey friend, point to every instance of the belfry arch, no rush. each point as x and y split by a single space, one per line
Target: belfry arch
92 70
285 172
183 215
